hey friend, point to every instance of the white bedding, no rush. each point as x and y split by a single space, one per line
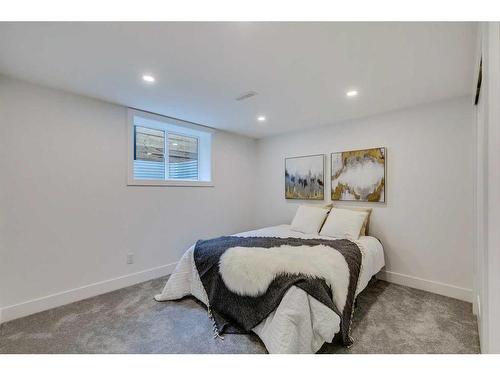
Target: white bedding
300 324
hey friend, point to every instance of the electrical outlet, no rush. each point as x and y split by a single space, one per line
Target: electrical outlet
130 258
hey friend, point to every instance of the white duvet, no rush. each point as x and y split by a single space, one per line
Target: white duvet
300 324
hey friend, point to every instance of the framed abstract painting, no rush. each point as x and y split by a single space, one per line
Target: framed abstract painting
359 175
305 177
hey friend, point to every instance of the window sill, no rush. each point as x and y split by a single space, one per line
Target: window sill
170 183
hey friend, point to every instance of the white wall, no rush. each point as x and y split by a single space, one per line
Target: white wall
487 254
427 224
67 217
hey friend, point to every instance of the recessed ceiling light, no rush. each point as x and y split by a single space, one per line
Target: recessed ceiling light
148 78
261 118
351 93
175 144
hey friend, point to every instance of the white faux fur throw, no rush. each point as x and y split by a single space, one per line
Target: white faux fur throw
249 271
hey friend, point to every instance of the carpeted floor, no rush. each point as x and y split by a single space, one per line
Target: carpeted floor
389 319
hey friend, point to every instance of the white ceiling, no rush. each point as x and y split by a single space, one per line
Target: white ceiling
301 71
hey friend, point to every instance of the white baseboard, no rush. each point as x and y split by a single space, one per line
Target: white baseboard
427 285
68 296
58 299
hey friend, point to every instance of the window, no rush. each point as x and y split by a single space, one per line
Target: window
182 157
167 151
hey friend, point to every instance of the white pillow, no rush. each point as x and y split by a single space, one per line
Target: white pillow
343 224
309 219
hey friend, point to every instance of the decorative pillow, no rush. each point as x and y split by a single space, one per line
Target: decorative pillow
366 224
342 223
328 206
309 219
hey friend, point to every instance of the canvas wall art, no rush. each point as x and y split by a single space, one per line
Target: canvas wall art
359 175
304 177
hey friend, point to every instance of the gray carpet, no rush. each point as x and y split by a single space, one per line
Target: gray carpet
389 319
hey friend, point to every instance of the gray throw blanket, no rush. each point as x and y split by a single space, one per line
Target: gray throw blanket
233 313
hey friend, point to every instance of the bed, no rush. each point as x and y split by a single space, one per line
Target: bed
300 324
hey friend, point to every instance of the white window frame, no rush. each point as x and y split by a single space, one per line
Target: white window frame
167 121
